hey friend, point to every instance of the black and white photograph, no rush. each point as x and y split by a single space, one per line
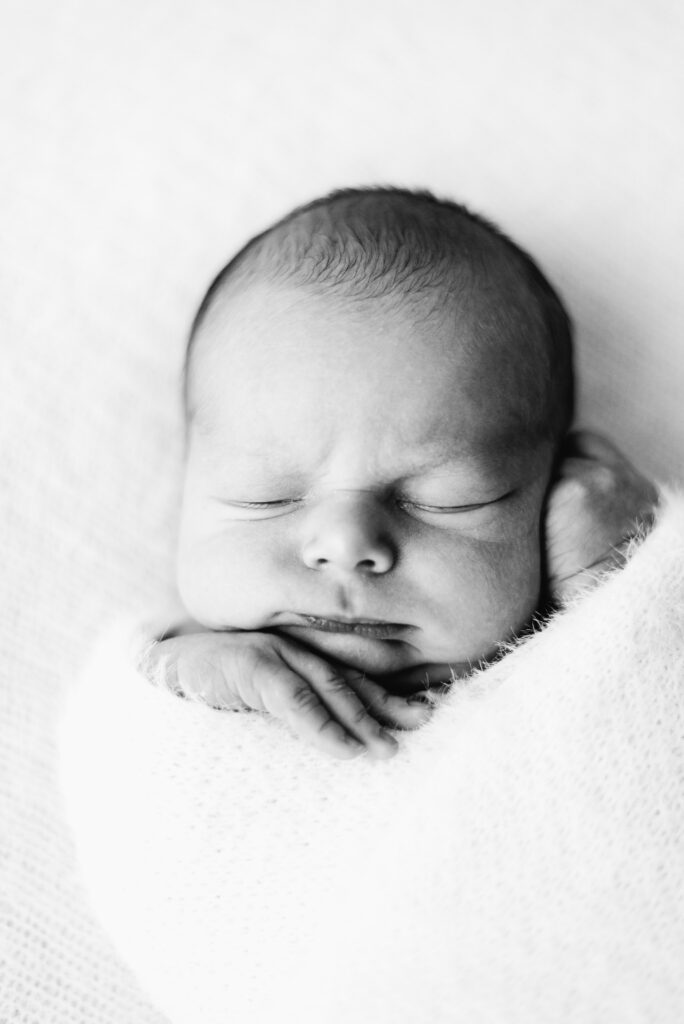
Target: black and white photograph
342 510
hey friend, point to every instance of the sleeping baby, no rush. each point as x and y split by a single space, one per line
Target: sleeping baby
380 489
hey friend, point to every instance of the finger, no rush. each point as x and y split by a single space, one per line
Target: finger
388 708
343 703
190 667
285 695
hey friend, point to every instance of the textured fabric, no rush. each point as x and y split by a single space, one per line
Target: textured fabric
141 143
520 860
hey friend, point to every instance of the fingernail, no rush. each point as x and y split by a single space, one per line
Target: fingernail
351 741
388 740
388 749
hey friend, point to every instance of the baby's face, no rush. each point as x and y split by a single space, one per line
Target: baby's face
358 480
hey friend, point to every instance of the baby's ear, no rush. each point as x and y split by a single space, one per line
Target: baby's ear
568 447
597 501
579 450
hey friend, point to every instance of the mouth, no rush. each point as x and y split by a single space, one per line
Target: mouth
375 629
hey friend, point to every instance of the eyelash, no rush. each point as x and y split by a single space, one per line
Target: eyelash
401 503
443 509
266 504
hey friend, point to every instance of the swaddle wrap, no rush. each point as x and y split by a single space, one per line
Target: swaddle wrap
520 860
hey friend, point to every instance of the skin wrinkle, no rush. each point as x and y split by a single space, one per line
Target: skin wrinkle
490 567
337 352
494 462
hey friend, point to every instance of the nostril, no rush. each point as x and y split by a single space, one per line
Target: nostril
350 545
364 563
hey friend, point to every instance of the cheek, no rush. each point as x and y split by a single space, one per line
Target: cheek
467 567
479 589
479 586
226 579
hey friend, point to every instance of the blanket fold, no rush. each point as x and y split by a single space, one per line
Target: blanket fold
520 860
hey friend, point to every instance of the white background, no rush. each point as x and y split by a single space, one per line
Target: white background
140 144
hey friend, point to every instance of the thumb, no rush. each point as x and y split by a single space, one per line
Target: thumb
190 667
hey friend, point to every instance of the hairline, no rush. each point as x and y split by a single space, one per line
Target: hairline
249 263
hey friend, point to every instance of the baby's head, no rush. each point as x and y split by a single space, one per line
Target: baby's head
376 391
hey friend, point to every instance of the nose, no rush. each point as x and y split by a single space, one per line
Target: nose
347 532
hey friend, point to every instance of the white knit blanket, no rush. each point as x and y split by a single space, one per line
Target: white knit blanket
142 144
520 860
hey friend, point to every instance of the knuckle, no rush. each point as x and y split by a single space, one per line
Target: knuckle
303 699
359 715
358 681
329 725
334 681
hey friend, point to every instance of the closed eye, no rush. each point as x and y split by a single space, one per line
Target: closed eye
403 503
279 503
449 509
440 508
264 505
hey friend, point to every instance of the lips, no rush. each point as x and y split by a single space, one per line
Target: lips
375 629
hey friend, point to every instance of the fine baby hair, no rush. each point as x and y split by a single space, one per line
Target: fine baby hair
366 244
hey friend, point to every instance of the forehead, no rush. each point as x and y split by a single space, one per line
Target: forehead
278 369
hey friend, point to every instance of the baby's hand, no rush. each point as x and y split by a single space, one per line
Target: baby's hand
333 707
597 503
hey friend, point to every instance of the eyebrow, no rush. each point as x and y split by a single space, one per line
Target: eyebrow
491 458
488 459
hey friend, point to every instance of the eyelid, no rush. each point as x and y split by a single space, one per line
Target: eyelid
401 502
451 509
441 508
278 503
